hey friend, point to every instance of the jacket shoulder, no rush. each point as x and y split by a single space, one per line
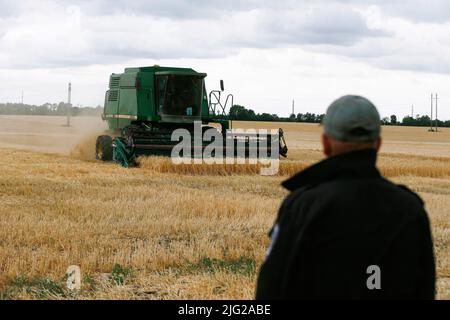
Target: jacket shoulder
405 188
292 201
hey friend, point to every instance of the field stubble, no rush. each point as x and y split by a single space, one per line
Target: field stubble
169 231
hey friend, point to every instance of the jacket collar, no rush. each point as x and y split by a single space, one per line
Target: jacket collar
352 164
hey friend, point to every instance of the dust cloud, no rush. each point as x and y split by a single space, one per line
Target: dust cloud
50 135
85 149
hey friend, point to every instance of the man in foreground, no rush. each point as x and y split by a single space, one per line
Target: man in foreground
345 232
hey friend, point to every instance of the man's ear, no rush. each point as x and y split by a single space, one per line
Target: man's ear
378 144
326 144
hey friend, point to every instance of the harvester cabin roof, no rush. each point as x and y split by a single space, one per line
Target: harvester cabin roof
167 70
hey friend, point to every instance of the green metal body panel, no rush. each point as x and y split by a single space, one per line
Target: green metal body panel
133 96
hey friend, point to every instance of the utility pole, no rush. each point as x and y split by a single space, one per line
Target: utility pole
431 118
293 107
69 101
436 112
22 97
412 111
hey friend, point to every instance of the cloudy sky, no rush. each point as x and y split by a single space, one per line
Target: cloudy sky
268 52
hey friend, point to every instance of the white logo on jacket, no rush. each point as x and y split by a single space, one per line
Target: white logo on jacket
273 238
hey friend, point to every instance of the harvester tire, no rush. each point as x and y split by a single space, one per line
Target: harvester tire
104 148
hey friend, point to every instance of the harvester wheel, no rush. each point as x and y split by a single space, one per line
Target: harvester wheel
104 148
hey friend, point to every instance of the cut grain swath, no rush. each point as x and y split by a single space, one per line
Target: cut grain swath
165 165
420 167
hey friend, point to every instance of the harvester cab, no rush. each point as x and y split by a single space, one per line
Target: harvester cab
144 106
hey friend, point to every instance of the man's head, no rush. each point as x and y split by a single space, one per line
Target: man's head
351 123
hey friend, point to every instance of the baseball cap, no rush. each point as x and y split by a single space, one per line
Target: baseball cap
352 119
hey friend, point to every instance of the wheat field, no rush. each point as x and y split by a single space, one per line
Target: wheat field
162 231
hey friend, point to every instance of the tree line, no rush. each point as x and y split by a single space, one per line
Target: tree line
238 112
48 109
418 121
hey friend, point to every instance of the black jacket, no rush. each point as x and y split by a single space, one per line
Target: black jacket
342 217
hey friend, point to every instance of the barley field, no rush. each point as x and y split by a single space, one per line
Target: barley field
162 231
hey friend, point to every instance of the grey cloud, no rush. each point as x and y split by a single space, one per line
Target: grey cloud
189 9
394 54
415 10
334 25
114 32
7 8
416 64
116 38
438 65
430 11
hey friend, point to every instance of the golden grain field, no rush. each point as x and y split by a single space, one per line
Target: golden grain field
161 231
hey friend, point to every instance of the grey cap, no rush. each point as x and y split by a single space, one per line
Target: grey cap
352 119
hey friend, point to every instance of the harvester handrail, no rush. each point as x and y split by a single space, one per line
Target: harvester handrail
212 106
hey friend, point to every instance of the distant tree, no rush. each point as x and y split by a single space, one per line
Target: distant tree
238 112
385 121
393 120
320 118
408 121
310 117
265 117
423 121
420 121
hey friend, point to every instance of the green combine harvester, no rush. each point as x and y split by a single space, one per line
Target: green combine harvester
144 106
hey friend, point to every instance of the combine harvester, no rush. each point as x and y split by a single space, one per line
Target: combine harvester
144 106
